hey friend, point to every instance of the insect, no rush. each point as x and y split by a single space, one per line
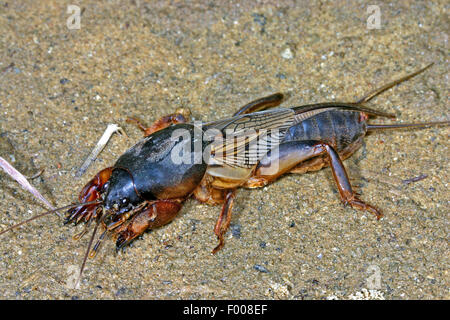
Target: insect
147 186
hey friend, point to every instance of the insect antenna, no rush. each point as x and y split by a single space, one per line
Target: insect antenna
91 253
47 213
97 244
91 240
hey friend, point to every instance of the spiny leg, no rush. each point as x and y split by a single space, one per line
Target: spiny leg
261 104
291 153
90 192
223 222
348 196
181 115
153 215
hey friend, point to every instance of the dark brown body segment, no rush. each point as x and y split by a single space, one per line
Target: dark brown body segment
343 130
338 128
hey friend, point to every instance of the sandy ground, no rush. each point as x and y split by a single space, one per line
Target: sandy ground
61 87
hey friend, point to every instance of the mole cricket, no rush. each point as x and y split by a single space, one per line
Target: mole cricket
148 184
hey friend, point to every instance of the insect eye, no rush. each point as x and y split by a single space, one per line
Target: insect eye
105 186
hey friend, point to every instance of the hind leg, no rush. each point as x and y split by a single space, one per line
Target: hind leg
291 153
261 104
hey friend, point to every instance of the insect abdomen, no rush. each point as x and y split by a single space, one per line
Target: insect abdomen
339 128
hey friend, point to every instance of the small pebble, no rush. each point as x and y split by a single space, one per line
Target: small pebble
287 54
236 230
260 268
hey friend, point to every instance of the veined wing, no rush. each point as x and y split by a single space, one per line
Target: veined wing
307 111
243 140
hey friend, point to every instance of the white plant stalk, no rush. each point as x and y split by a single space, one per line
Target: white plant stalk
20 178
99 147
